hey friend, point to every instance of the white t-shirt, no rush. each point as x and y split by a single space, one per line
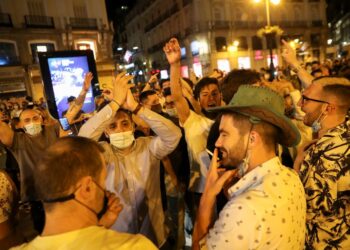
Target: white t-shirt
196 133
93 237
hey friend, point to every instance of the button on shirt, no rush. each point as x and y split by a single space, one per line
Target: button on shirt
135 177
325 173
266 210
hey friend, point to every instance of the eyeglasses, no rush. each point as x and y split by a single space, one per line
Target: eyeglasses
305 98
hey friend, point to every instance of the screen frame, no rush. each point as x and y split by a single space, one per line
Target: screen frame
46 76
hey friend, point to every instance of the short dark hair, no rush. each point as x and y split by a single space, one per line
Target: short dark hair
163 81
341 92
145 94
205 81
64 163
267 131
234 79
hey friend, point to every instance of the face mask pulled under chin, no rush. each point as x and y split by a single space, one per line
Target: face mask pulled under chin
172 112
122 140
33 128
316 125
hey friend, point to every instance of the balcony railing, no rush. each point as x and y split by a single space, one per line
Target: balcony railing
220 25
5 20
33 21
83 23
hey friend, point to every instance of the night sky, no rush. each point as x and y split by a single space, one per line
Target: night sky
335 7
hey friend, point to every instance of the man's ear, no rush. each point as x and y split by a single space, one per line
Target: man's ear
84 192
330 108
254 138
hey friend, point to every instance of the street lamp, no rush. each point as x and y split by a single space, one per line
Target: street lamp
268 30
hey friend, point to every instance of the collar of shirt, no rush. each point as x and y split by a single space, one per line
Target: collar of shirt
254 177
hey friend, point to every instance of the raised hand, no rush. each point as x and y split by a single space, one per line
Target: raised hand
120 88
172 51
289 55
217 178
113 211
87 81
130 102
153 78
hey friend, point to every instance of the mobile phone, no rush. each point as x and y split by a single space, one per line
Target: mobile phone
64 124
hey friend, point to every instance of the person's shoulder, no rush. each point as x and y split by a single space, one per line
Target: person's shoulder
120 240
24 246
198 119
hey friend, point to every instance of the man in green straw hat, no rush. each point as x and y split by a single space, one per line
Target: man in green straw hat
266 207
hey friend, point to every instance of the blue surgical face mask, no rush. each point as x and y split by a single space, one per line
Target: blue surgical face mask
316 125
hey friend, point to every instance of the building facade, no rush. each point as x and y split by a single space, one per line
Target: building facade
223 33
31 26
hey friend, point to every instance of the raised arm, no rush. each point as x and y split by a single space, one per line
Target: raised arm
78 103
95 126
290 57
173 54
6 134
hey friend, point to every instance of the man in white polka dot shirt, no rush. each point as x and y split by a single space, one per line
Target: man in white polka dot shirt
266 207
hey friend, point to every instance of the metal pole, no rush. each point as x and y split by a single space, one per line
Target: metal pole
267 4
272 66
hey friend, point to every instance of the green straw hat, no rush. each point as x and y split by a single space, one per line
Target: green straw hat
263 104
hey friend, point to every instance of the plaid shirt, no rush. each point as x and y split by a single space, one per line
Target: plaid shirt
325 174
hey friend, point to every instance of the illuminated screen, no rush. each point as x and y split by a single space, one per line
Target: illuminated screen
164 74
67 77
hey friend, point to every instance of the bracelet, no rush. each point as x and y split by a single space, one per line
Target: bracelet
137 109
116 103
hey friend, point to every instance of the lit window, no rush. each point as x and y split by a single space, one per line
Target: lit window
85 45
41 48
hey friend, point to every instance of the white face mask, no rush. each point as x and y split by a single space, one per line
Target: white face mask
122 140
33 128
171 112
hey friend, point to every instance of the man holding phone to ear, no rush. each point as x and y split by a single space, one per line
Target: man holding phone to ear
266 207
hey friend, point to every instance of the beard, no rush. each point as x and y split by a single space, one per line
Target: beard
234 156
310 118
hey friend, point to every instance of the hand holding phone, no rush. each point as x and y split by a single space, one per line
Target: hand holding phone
64 123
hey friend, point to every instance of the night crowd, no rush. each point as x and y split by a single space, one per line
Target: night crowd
232 160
